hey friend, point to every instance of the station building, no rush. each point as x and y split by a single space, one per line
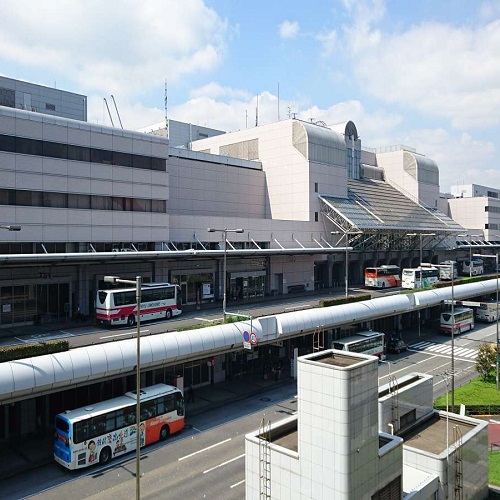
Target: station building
94 200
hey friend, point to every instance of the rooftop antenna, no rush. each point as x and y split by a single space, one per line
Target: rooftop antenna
246 118
166 107
257 113
116 108
278 101
107 107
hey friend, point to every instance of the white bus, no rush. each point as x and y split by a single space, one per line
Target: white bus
119 306
464 320
446 273
487 311
420 277
473 267
364 342
385 276
98 432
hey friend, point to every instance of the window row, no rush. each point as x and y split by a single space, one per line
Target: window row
16 197
36 147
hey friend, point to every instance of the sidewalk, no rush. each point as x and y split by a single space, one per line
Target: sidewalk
36 451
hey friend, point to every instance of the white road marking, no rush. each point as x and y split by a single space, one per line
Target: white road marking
237 484
123 334
224 463
205 449
444 350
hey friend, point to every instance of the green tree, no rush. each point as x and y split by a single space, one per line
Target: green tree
486 359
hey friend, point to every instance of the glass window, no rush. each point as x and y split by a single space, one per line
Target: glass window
158 206
55 150
78 153
101 156
29 146
78 201
124 159
57 200
141 162
7 143
101 203
159 164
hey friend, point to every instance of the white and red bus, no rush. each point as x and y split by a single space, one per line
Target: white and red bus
368 342
118 306
386 276
461 320
99 432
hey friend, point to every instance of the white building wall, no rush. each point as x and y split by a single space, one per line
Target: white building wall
471 213
27 172
402 399
290 176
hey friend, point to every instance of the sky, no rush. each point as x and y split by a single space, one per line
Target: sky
423 74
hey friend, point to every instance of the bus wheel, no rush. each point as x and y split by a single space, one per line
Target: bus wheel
164 433
105 455
168 314
131 320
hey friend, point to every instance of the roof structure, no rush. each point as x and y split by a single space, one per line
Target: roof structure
374 207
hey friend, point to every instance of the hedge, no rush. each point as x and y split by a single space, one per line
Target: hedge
23 351
336 301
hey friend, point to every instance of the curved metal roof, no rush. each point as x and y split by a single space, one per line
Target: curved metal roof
43 374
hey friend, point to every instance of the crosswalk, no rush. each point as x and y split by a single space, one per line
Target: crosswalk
444 350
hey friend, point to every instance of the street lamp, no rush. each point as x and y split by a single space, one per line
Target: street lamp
10 227
138 296
451 267
224 232
346 235
446 379
421 235
498 338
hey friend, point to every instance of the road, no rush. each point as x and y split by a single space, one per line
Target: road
206 460
79 336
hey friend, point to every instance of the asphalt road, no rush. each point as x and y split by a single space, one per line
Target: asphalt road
206 460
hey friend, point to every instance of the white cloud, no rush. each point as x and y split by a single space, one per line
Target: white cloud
288 29
329 42
122 47
460 157
434 68
214 90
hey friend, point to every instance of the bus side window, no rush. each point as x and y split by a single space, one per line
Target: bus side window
160 405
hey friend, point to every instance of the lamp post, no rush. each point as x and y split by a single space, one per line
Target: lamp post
224 232
498 338
10 227
346 235
451 267
138 296
447 382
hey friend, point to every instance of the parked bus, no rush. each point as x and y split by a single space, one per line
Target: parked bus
473 267
487 311
385 276
419 277
464 320
98 432
364 342
450 272
119 306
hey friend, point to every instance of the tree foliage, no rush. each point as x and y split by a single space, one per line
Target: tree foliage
486 360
